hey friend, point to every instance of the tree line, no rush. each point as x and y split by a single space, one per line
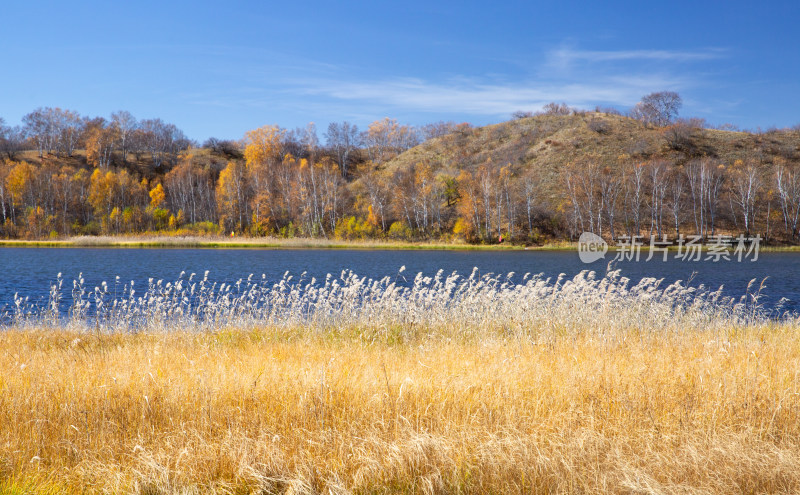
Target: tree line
63 174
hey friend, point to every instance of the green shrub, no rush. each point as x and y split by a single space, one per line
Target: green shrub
400 231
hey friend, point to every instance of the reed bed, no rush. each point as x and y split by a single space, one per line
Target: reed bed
445 305
444 384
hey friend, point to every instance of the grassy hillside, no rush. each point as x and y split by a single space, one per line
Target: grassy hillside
548 142
141 164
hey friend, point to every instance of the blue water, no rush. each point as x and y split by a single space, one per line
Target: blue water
30 271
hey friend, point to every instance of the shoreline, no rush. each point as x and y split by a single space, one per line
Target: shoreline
267 243
202 242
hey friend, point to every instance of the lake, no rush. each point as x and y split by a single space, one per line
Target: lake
30 271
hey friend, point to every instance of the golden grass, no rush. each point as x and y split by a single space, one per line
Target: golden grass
263 410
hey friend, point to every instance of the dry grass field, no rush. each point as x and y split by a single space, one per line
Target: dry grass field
581 386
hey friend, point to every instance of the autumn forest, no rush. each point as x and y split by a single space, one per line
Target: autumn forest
534 179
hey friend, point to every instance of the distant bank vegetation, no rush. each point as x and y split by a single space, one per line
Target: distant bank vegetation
534 179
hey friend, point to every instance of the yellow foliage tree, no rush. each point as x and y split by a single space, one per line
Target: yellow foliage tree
263 145
100 145
102 187
232 196
157 197
372 218
19 183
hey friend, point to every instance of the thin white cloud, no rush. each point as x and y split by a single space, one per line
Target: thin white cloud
568 55
474 97
580 78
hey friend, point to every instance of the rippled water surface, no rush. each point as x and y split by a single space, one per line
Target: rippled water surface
30 271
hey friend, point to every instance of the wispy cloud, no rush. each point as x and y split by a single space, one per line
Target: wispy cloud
568 55
570 61
480 98
588 78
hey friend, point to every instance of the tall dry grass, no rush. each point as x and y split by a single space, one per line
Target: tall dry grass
585 385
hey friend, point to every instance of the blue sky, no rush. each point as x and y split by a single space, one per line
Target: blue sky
219 69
